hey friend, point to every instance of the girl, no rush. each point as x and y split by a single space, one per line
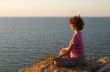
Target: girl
74 53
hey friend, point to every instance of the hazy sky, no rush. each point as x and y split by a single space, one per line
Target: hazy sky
54 7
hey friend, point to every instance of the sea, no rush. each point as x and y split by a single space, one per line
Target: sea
24 40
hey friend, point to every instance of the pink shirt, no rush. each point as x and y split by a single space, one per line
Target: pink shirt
78 47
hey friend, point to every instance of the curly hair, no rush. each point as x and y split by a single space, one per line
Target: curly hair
77 21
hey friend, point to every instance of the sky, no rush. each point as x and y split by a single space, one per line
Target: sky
54 7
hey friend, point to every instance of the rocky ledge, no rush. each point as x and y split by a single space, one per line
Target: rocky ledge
101 64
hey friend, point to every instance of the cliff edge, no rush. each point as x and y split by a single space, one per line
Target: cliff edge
101 64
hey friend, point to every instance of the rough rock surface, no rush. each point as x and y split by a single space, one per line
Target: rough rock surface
93 65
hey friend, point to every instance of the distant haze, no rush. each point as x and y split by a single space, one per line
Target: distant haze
54 7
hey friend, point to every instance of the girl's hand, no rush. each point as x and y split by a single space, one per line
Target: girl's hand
63 52
64 49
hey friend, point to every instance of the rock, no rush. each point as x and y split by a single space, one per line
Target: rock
94 65
104 60
105 68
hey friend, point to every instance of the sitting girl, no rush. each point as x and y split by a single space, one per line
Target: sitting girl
74 53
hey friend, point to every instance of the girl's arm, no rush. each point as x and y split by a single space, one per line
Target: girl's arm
69 48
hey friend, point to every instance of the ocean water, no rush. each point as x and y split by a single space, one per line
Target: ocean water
22 39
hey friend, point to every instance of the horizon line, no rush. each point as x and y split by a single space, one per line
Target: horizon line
53 16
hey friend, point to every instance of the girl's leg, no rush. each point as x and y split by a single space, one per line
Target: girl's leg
69 61
66 62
